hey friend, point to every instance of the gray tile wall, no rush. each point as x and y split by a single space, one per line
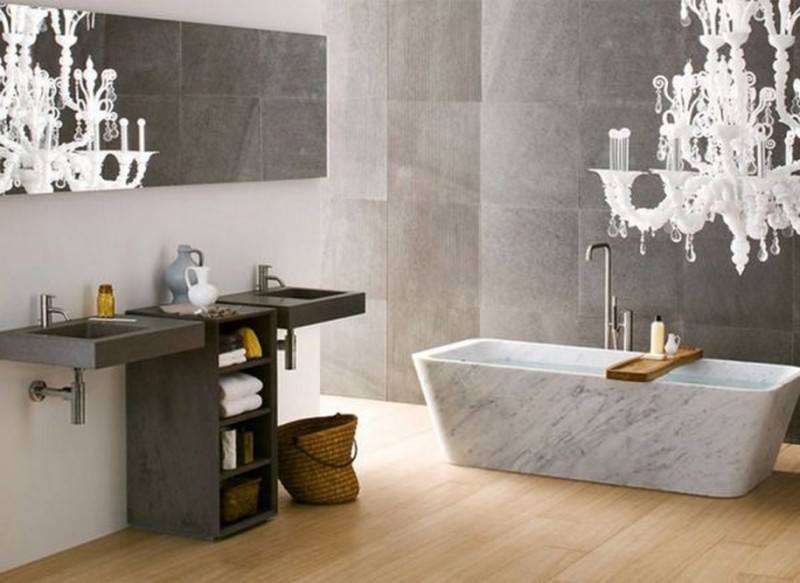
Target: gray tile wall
464 129
355 205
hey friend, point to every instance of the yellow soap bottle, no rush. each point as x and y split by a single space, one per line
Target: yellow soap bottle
657 336
105 301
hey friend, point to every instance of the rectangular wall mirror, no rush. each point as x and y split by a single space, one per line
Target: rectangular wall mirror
218 104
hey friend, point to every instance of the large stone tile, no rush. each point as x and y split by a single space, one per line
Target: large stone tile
434 50
354 246
220 60
433 254
795 248
162 134
533 326
740 343
624 44
146 54
415 326
358 147
220 139
530 51
353 359
529 259
357 55
595 122
793 432
294 139
650 284
434 152
530 155
292 66
716 295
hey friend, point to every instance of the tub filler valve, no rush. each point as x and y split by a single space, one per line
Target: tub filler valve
612 327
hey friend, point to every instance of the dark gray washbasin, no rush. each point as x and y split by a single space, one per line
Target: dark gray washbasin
302 306
301 293
96 344
90 329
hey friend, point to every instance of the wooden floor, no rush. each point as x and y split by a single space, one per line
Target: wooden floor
420 519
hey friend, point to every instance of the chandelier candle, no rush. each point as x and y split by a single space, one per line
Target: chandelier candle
717 136
123 134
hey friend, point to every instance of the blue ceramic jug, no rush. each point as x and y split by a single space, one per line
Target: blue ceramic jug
175 275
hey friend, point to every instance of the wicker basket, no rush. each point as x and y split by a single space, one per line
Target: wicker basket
314 459
240 498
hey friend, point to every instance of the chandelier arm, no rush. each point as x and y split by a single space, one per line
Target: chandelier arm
781 68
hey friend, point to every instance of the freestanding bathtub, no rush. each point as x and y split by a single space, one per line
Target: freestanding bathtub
712 427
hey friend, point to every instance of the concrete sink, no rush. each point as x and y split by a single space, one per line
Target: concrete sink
93 343
302 306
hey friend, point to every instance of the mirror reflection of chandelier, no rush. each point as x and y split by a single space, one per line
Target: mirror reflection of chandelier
35 154
717 139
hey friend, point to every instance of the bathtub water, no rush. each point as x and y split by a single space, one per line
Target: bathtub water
712 427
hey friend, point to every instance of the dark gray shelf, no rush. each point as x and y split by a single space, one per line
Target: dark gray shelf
173 432
228 421
257 464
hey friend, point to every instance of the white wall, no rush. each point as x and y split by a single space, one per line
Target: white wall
61 485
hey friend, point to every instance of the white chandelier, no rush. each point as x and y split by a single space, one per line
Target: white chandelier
32 152
717 139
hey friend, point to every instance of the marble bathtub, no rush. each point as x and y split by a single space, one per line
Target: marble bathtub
712 427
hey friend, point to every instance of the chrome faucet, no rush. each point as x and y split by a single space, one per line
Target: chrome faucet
46 310
611 323
263 278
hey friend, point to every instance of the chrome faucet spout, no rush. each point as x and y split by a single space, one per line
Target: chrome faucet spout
263 277
46 310
612 326
607 336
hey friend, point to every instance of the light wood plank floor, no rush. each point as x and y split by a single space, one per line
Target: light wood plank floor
420 519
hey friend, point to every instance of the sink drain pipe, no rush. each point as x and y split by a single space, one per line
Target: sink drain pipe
76 393
289 345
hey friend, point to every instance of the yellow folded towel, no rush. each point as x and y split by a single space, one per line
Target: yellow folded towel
251 344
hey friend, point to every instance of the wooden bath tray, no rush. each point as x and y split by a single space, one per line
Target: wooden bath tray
641 369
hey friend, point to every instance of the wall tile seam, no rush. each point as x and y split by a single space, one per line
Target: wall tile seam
490 205
531 207
234 96
410 202
387 356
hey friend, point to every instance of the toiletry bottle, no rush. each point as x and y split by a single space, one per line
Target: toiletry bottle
657 336
105 301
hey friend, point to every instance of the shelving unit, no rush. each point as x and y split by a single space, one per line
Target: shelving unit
175 476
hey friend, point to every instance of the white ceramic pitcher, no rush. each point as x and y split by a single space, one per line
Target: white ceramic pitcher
672 344
201 294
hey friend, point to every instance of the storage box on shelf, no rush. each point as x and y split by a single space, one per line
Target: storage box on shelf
175 423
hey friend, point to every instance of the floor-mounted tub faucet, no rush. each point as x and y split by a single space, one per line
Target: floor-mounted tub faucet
46 310
611 324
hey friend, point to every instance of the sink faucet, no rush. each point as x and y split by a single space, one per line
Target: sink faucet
46 310
263 278
611 324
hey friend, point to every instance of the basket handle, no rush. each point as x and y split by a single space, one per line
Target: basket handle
296 443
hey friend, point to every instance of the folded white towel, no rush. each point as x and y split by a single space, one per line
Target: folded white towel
231 407
232 357
229 449
238 384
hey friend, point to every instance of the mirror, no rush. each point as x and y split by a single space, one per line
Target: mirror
146 102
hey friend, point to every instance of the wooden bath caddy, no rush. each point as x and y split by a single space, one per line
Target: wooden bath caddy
642 369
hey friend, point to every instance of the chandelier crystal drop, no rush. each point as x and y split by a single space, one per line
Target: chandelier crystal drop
717 138
34 155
